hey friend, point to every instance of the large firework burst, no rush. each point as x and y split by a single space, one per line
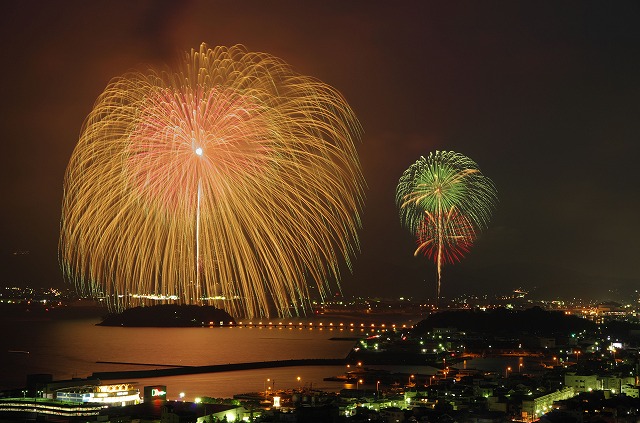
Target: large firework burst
232 177
444 200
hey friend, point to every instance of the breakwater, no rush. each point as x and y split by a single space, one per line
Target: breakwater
216 368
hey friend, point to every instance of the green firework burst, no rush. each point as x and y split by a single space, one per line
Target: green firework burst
445 201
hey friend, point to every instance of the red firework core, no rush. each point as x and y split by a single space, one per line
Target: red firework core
185 137
450 230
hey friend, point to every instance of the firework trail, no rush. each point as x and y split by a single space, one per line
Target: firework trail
230 178
444 200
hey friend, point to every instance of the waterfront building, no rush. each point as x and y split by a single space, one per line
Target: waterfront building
23 409
120 394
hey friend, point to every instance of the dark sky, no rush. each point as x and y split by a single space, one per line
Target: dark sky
544 96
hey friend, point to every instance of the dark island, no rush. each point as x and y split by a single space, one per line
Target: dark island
169 315
505 322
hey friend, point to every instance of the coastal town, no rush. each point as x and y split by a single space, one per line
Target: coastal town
546 365
320 212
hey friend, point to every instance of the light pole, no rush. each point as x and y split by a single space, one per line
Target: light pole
378 388
506 372
266 386
298 378
358 382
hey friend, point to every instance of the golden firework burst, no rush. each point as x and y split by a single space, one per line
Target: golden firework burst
232 181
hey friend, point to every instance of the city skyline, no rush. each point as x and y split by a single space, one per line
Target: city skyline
542 97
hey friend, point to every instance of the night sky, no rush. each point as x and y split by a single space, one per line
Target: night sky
544 96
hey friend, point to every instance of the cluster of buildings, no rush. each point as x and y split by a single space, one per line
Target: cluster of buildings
468 396
588 390
20 295
534 375
89 400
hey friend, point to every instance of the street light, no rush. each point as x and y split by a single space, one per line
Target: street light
298 378
411 377
358 382
506 373
377 388
181 396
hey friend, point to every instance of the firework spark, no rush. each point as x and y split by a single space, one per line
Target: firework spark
445 201
233 177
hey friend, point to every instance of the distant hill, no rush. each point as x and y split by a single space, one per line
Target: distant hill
169 315
535 321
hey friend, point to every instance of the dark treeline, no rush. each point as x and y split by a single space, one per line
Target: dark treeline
535 321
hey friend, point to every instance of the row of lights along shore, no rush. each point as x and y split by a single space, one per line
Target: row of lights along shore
310 324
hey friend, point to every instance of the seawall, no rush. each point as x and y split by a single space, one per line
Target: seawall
216 368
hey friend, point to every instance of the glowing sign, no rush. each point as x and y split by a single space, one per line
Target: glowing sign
155 392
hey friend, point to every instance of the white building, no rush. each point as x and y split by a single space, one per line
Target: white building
119 394
535 407
582 383
630 391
